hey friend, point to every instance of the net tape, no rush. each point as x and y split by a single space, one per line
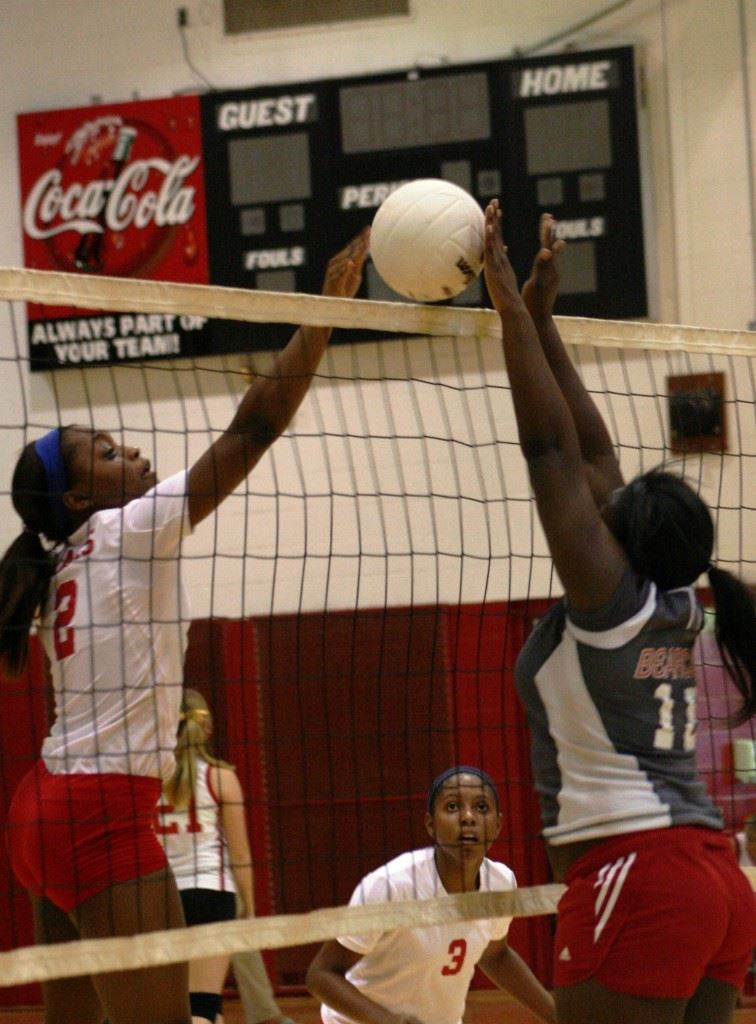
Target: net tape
96 956
60 960
127 294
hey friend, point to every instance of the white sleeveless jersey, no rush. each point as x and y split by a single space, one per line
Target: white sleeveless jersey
425 972
193 839
114 628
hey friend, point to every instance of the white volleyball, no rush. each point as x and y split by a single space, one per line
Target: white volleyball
427 240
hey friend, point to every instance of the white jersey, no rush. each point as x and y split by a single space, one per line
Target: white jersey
193 838
114 629
425 972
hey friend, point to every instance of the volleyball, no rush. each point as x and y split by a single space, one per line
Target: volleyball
427 240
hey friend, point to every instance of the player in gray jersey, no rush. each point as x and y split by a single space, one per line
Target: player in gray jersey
658 922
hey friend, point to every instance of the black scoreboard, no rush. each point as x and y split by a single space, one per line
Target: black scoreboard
258 188
292 172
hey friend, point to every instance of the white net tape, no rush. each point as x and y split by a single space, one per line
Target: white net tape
127 294
64 960
67 960
274 932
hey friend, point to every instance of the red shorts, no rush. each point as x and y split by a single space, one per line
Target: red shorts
72 836
652 913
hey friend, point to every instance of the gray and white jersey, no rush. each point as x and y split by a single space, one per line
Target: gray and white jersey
610 700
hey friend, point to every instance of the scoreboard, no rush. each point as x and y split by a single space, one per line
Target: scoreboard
289 173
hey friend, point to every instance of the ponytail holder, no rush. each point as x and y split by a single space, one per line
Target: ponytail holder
28 529
195 715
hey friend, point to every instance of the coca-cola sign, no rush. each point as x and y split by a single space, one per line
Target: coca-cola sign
115 190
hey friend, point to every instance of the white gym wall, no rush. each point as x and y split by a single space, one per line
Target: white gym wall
698 60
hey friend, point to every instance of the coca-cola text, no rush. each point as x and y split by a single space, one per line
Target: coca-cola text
51 209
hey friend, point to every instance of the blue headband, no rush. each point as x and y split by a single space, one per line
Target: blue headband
48 449
460 769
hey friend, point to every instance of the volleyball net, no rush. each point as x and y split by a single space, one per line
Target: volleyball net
359 603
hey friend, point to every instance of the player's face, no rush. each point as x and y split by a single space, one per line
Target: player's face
105 474
464 817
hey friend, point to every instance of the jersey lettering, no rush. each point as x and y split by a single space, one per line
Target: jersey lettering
164 828
65 606
457 951
664 736
73 554
664 663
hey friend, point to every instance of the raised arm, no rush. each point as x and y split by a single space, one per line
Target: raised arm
539 294
270 402
590 562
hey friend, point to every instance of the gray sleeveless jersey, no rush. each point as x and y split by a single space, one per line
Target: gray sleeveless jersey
610 700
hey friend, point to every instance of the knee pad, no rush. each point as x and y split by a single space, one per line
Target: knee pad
205 1004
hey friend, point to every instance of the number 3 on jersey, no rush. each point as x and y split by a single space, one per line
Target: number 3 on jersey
456 952
65 607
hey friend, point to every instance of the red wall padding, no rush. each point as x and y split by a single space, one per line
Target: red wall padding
338 722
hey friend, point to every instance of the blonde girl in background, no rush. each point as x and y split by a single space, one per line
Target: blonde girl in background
203 829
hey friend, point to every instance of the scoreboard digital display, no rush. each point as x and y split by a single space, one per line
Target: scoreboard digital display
288 174
411 113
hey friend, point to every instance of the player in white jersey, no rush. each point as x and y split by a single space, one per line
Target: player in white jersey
658 922
421 975
105 584
201 824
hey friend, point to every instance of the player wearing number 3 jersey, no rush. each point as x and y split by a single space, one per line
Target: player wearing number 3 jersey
98 565
658 923
412 975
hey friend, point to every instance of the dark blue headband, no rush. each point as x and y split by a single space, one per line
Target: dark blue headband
48 449
460 769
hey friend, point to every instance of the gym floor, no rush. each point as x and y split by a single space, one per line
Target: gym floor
482 1008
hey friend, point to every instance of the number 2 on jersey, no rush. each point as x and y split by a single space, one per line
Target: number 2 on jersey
65 607
457 951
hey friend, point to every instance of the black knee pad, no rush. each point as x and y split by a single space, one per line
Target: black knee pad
205 1004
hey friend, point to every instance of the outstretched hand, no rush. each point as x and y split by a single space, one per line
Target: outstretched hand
344 273
500 277
541 288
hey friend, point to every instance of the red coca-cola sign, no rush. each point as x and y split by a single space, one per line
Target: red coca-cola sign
116 190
